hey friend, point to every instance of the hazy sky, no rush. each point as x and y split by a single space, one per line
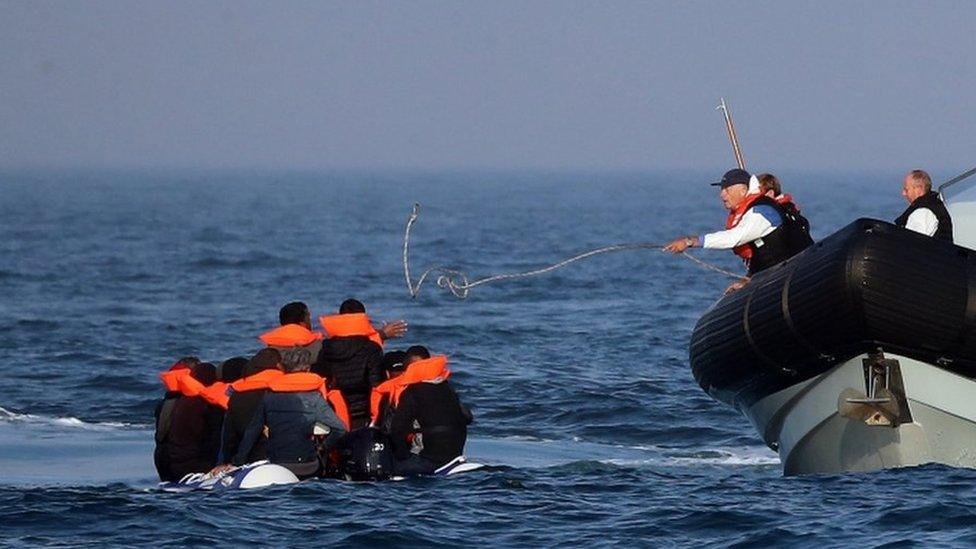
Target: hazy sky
308 85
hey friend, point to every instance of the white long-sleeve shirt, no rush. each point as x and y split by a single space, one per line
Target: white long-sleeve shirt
923 221
756 223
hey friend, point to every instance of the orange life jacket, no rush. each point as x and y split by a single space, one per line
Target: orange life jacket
171 377
785 199
431 369
290 335
348 325
735 216
256 382
182 381
300 382
216 394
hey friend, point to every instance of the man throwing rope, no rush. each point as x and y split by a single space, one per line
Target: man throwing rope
758 229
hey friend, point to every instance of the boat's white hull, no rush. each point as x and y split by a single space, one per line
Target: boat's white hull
805 423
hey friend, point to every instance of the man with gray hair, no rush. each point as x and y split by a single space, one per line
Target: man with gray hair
926 212
292 408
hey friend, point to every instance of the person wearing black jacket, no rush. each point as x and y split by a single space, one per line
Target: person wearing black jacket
354 364
432 405
243 402
926 212
188 434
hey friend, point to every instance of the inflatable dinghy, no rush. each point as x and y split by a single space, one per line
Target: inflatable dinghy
259 474
262 474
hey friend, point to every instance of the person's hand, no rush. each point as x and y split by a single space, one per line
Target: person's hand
393 330
736 286
679 245
220 469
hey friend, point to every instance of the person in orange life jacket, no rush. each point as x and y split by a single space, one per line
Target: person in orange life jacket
382 394
770 186
351 360
926 212
295 329
758 229
245 395
228 372
187 426
426 407
294 404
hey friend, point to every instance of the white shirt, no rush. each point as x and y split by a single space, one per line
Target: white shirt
753 226
923 221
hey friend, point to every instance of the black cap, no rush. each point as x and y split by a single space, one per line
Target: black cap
393 361
733 177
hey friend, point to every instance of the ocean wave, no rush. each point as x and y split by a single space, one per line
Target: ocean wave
749 456
8 416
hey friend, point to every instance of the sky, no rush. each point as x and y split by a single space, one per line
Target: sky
468 85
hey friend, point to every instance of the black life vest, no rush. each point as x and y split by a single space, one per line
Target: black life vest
934 204
790 238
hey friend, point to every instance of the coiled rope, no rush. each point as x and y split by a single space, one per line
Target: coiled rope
458 283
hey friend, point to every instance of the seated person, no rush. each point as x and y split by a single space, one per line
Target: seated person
187 426
228 372
295 403
926 212
770 186
428 427
245 396
380 400
352 356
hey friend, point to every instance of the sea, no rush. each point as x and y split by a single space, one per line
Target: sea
592 428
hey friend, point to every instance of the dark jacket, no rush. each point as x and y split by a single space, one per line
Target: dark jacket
353 366
443 422
290 418
240 411
188 437
933 203
790 237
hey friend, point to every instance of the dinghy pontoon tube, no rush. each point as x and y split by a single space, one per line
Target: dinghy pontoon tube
857 354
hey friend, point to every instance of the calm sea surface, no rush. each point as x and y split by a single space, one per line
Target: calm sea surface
585 407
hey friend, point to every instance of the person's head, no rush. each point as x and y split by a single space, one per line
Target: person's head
393 363
231 369
295 312
204 372
734 188
415 353
769 185
186 362
917 183
296 360
351 306
265 359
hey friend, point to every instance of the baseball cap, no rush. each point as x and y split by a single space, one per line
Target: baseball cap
733 177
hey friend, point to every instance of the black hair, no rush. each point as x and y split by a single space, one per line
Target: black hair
415 353
232 369
205 373
351 306
265 359
295 312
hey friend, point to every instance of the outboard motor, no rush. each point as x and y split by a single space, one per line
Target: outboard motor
367 455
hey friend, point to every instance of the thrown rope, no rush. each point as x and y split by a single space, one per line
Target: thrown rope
458 283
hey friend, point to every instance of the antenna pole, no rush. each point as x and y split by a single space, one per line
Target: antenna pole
730 126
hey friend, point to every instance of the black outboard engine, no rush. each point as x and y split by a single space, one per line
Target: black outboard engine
366 455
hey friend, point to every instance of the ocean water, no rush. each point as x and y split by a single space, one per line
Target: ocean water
586 411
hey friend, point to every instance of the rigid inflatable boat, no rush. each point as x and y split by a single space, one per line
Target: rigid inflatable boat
857 354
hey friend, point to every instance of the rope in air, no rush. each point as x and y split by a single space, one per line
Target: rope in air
460 285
